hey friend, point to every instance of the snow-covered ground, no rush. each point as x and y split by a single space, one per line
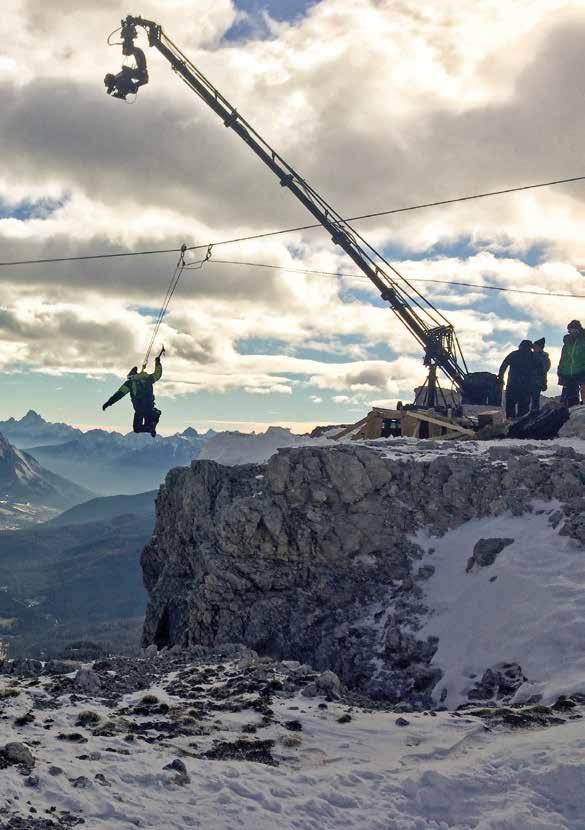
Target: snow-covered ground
426 450
334 766
528 607
233 448
15 515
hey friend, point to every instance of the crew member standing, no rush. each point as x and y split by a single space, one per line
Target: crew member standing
523 365
539 381
572 364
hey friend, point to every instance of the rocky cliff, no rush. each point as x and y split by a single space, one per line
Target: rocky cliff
316 556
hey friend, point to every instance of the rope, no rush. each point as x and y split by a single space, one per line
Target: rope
177 274
179 268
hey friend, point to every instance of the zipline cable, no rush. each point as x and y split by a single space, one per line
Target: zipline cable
297 229
411 279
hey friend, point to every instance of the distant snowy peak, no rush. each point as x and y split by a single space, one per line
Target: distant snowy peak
32 430
189 433
32 418
110 463
232 448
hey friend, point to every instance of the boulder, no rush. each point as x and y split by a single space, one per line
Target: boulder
328 683
18 753
499 682
87 681
485 552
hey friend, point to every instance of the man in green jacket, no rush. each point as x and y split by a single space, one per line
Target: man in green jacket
571 369
140 386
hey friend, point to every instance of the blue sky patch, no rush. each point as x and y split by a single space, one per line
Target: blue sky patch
146 311
466 247
252 25
40 209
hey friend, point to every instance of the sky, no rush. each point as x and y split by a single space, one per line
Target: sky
379 104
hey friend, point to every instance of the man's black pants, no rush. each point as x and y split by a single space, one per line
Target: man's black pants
535 398
517 401
145 420
570 396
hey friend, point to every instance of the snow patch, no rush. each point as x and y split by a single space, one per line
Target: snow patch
526 608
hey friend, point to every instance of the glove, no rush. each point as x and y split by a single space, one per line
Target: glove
105 406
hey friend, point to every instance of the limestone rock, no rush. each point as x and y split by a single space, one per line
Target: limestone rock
18 753
486 551
500 682
328 683
88 681
309 557
58 667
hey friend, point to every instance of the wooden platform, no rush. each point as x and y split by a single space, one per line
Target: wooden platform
414 423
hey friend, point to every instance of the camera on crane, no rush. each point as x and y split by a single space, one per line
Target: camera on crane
127 82
130 78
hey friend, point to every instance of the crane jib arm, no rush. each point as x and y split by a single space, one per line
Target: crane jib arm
430 328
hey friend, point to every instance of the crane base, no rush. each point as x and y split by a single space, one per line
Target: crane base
481 389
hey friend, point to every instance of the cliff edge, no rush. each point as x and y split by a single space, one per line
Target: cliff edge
325 554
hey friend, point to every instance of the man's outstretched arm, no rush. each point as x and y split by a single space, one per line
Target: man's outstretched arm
117 396
503 367
157 374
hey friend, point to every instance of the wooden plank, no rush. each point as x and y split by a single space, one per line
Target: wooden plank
410 426
432 419
374 426
347 430
389 414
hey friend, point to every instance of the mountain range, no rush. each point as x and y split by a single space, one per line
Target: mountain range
75 578
111 463
33 430
27 488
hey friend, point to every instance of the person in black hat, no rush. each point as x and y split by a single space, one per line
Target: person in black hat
523 366
539 380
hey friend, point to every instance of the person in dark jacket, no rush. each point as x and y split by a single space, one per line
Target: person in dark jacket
140 386
572 364
523 366
539 380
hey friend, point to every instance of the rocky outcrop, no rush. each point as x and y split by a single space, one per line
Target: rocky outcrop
312 557
486 551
